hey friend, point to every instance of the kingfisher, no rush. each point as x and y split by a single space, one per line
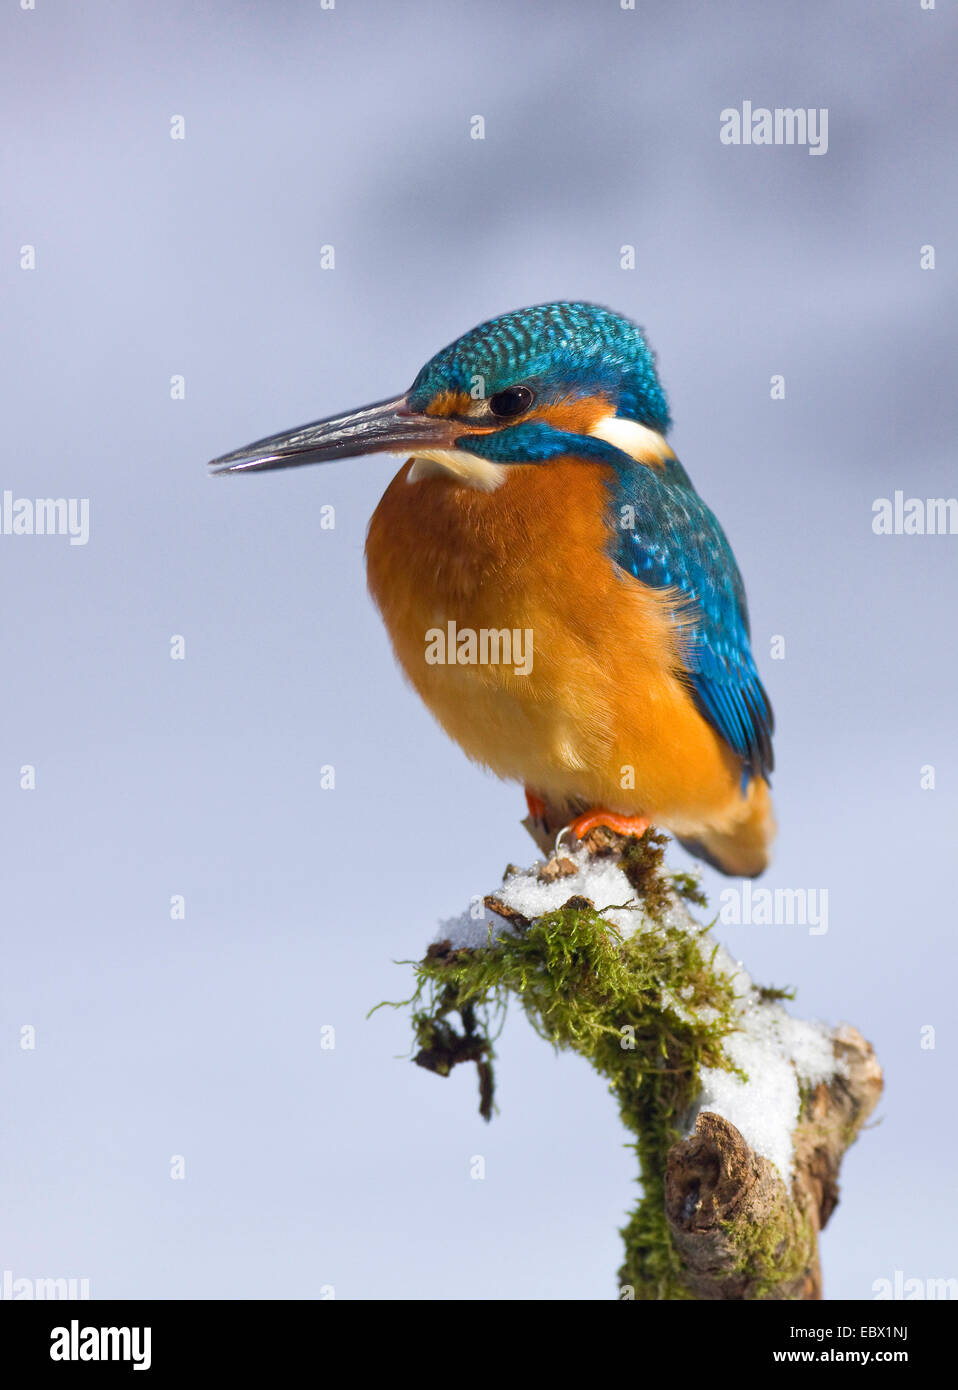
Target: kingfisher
541 501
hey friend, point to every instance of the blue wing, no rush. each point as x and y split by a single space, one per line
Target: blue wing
674 541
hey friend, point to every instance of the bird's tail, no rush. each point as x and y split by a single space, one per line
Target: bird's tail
742 850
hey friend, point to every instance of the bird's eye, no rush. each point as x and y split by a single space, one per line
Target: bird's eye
514 401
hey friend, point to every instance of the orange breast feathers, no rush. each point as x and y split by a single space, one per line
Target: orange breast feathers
585 704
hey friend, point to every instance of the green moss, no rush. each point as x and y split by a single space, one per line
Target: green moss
648 1012
774 994
689 889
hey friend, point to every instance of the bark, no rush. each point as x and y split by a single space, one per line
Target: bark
740 1232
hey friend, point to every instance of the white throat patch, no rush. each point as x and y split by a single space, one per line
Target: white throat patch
468 468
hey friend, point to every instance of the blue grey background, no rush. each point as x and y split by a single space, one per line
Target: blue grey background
350 1167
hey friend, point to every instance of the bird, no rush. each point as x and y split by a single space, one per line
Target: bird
554 587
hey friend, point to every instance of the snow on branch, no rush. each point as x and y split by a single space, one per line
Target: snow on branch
740 1113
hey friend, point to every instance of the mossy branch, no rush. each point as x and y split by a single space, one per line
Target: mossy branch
650 998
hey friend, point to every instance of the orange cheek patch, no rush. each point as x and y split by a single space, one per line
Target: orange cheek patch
574 414
450 403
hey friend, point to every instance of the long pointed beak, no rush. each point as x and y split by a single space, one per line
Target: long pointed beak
389 426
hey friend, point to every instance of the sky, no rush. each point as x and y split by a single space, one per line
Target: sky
222 221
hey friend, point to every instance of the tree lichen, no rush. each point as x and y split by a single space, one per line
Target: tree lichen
775 1253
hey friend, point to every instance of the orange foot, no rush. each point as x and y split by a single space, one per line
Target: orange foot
536 805
622 825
